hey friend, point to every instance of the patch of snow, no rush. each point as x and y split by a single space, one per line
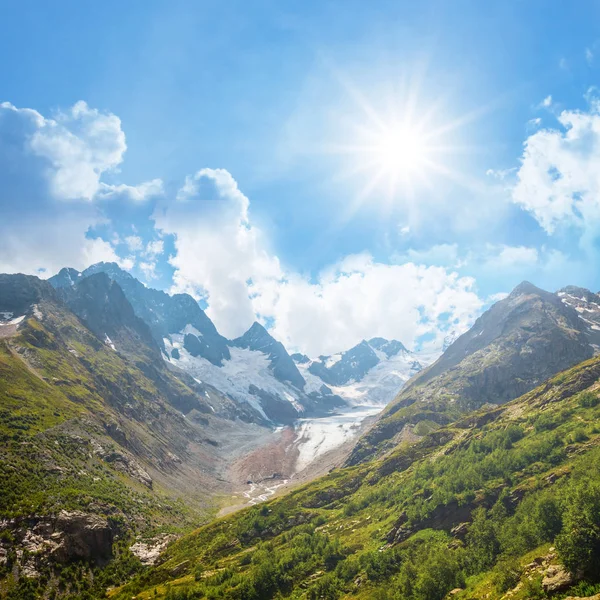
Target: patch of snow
37 313
191 329
16 320
109 342
332 360
5 315
317 436
245 368
380 385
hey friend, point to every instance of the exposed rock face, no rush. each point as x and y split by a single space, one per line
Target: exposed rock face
282 365
82 535
101 304
352 365
66 537
21 292
518 343
164 314
556 579
125 464
276 409
148 551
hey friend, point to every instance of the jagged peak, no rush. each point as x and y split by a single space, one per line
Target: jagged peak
106 267
527 288
578 292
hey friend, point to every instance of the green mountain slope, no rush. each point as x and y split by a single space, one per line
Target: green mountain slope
467 508
97 444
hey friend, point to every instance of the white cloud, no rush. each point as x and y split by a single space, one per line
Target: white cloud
496 297
559 177
134 243
78 146
501 174
155 248
31 245
589 56
439 254
149 269
505 258
218 251
51 173
135 193
223 257
360 298
546 102
533 124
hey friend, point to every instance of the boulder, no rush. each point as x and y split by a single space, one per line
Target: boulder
81 535
556 579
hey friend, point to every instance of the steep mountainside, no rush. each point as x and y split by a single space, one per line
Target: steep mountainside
101 304
514 346
163 313
257 338
503 500
98 443
259 373
255 369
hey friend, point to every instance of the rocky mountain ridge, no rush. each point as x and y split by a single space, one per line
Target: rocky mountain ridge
516 344
255 368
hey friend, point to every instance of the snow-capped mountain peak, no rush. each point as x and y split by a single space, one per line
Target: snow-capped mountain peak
372 372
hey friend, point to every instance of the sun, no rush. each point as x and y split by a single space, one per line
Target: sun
401 151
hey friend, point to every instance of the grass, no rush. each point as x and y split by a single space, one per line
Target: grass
382 529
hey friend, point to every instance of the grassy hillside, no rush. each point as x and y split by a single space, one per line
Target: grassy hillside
469 506
90 431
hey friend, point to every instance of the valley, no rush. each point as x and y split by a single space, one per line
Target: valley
124 411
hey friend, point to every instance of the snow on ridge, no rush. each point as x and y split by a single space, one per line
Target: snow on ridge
244 368
332 360
109 342
192 330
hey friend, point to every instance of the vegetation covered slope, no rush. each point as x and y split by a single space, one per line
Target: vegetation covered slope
468 506
95 447
514 346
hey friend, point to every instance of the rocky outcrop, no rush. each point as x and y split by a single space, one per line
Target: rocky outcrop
122 462
63 538
556 579
164 314
149 551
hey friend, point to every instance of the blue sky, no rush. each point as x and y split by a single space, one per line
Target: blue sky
263 108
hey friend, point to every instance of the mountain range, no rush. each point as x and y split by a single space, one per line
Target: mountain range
254 368
123 409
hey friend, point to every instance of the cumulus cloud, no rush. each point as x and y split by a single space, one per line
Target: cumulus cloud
219 256
224 258
148 268
51 186
135 193
359 298
558 181
134 243
154 248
